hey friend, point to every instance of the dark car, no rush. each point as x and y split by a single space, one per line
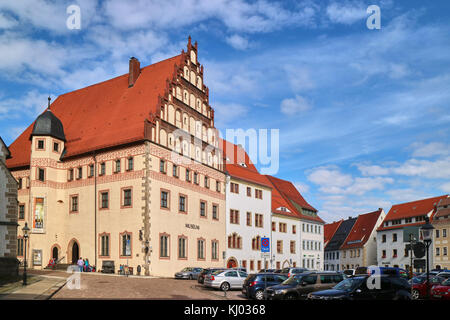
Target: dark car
206 272
419 286
268 271
290 271
188 273
299 285
255 284
356 288
441 291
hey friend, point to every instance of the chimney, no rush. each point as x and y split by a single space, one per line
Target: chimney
135 70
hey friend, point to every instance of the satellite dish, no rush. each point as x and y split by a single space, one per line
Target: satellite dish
419 250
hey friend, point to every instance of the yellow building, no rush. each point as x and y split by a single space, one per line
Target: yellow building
441 238
127 170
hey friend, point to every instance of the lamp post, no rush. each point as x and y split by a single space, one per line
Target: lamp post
426 232
25 230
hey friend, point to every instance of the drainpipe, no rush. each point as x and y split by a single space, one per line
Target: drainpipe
95 211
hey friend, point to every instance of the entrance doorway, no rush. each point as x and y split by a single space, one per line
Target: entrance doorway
55 253
75 252
232 263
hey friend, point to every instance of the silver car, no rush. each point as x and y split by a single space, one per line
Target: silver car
188 273
226 280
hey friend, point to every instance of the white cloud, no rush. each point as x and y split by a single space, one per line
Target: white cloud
225 114
431 149
437 169
295 106
31 104
7 22
238 42
372 170
445 187
302 187
346 13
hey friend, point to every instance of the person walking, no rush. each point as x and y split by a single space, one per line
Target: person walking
86 265
80 264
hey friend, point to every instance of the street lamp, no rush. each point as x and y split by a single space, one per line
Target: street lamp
25 230
426 231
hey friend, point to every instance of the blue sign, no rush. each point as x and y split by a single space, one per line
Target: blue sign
265 245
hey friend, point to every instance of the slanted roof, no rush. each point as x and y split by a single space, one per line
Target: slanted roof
239 165
105 114
329 230
443 208
285 194
340 235
411 209
361 230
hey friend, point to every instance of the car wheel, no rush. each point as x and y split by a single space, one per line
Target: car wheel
290 296
225 286
415 294
259 295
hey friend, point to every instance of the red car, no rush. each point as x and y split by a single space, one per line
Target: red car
441 291
419 286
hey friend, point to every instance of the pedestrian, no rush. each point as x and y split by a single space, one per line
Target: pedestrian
80 264
86 265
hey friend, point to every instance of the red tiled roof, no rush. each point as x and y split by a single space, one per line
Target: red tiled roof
411 209
105 114
234 156
329 230
284 193
363 227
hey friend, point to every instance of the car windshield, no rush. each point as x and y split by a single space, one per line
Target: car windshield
418 280
349 284
446 282
292 280
186 269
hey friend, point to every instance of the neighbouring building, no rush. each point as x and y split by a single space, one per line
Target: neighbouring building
331 259
404 218
248 210
441 239
297 230
360 247
127 170
10 244
332 249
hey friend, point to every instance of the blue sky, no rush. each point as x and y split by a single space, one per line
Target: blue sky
363 114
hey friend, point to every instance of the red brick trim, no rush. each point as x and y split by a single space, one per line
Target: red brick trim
122 197
120 245
100 245
168 246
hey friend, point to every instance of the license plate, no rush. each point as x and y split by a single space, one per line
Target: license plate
436 296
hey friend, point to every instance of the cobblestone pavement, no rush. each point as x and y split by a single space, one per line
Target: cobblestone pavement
100 286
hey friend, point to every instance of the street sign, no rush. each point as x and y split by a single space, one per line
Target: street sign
265 245
419 250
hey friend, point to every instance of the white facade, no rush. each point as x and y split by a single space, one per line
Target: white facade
332 260
246 256
312 253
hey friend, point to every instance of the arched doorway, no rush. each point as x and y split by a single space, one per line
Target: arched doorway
55 253
73 251
232 263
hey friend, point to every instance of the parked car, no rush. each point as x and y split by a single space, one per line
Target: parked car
290 271
277 271
299 285
206 272
267 270
188 273
255 284
355 288
419 286
226 279
349 272
441 291
444 274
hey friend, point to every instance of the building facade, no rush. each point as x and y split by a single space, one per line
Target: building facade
332 251
360 247
127 170
404 218
441 238
331 258
9 242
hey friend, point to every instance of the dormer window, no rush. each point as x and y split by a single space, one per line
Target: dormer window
56 146
243 165
41 144
283 209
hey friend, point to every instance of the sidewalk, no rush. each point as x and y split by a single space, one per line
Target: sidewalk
39 288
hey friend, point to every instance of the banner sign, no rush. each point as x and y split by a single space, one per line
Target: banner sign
38 216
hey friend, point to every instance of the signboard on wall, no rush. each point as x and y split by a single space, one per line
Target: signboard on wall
37 257
38 215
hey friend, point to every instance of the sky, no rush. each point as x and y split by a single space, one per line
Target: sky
363 114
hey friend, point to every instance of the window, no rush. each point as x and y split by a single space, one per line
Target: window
74 204
162 166
91 170
20 247
175 171
383 238
437 233
206 182
258 194
215 212
126 245
282 227
117 170
104 245
188 175
182 203
104 199
394 237
182 248
444 233
217 186
294 231
273 226
102 168
445 251
21 211
130 164
164 246
258 220
70 177
234 216
201 249
80 173
292 247
196 178
249 191
202 209
279 246
164 199
394 253
20 184
214 250
41 174
56 146
438 251
383 255
40 144
249 219
127 197
234 187
234 241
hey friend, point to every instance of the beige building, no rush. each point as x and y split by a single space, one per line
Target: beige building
441 238
8 217
127 170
